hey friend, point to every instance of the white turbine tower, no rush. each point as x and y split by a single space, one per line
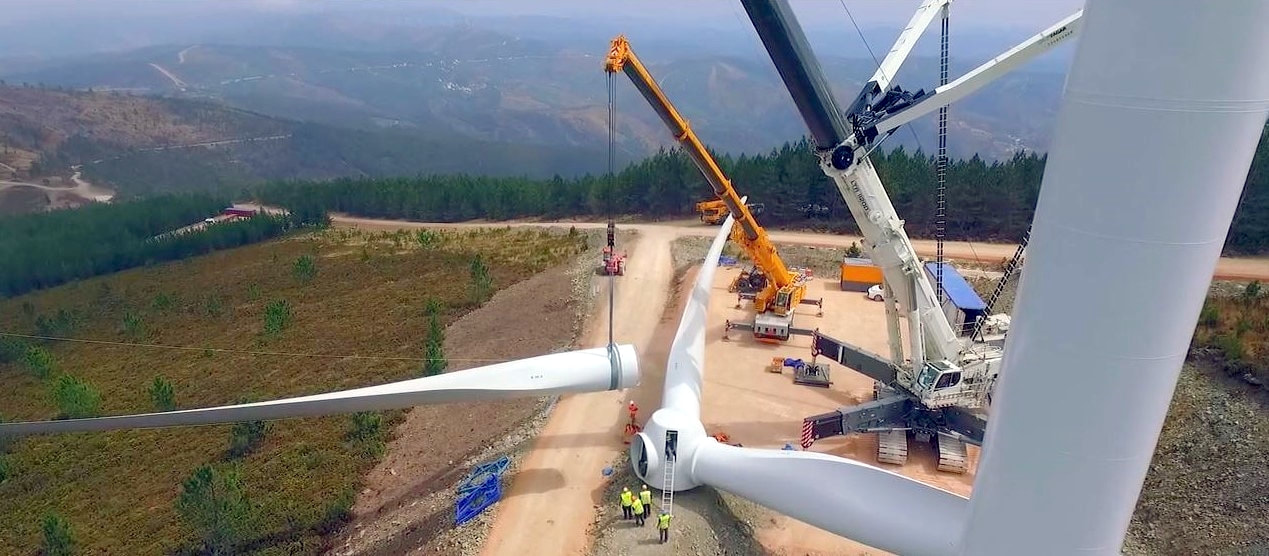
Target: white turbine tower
590 370
1162 111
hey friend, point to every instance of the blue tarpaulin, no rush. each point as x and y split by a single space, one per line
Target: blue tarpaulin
957 290
479 489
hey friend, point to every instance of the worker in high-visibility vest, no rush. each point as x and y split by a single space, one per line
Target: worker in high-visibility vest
663 523
645 496
637 507
627 498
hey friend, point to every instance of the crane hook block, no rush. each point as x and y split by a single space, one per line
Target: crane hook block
842 157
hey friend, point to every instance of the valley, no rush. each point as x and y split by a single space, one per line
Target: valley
489 86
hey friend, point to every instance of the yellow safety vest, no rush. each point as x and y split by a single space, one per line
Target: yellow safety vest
626 498
637 506
663 522
646 496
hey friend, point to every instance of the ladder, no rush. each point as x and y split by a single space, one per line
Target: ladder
667 479
1010 268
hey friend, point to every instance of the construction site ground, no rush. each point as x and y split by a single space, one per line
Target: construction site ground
765 410
557 499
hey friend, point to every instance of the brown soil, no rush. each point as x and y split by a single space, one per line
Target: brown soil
424 459
765 410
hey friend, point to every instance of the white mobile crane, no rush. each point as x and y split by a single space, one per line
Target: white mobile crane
942 389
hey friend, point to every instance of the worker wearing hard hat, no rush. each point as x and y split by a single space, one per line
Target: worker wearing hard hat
663 524
627 498
645 496
637 507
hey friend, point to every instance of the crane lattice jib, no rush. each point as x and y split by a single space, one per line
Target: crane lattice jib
750 235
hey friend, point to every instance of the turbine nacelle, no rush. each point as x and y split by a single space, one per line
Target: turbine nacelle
648 449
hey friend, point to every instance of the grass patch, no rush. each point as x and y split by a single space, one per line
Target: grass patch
1235 329
119 489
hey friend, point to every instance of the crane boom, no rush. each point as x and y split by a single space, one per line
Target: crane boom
942 392
930 333
752 237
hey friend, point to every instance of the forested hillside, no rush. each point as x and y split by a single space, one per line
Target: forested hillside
316 152
43 250
45 131
985 201
140 145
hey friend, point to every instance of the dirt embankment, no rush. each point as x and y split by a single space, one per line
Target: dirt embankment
406 505
1207 491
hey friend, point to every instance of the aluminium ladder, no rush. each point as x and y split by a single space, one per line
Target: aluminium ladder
667 479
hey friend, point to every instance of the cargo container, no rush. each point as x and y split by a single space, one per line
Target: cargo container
859 274
961 303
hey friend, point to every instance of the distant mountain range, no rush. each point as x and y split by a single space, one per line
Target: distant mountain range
141 144
449 76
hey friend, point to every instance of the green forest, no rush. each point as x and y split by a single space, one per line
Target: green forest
986 201
321 152
47 249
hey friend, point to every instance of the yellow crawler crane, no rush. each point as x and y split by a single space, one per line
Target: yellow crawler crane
783 290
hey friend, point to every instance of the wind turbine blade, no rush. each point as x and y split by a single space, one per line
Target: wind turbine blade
857 501
683 374
590 370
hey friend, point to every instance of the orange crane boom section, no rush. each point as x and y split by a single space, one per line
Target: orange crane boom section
748 233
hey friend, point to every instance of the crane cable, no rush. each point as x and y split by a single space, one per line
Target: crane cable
940 207
877 62
612 224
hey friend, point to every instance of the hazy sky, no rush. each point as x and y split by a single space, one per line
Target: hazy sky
813 13
1029 13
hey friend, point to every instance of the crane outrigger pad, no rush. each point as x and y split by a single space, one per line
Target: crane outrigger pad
810 374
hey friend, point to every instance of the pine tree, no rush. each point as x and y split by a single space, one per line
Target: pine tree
434 350
214 503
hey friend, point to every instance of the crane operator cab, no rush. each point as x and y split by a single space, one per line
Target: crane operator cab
940 384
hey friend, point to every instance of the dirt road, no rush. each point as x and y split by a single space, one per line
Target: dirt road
1228 268
63 197
175 80
583 434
